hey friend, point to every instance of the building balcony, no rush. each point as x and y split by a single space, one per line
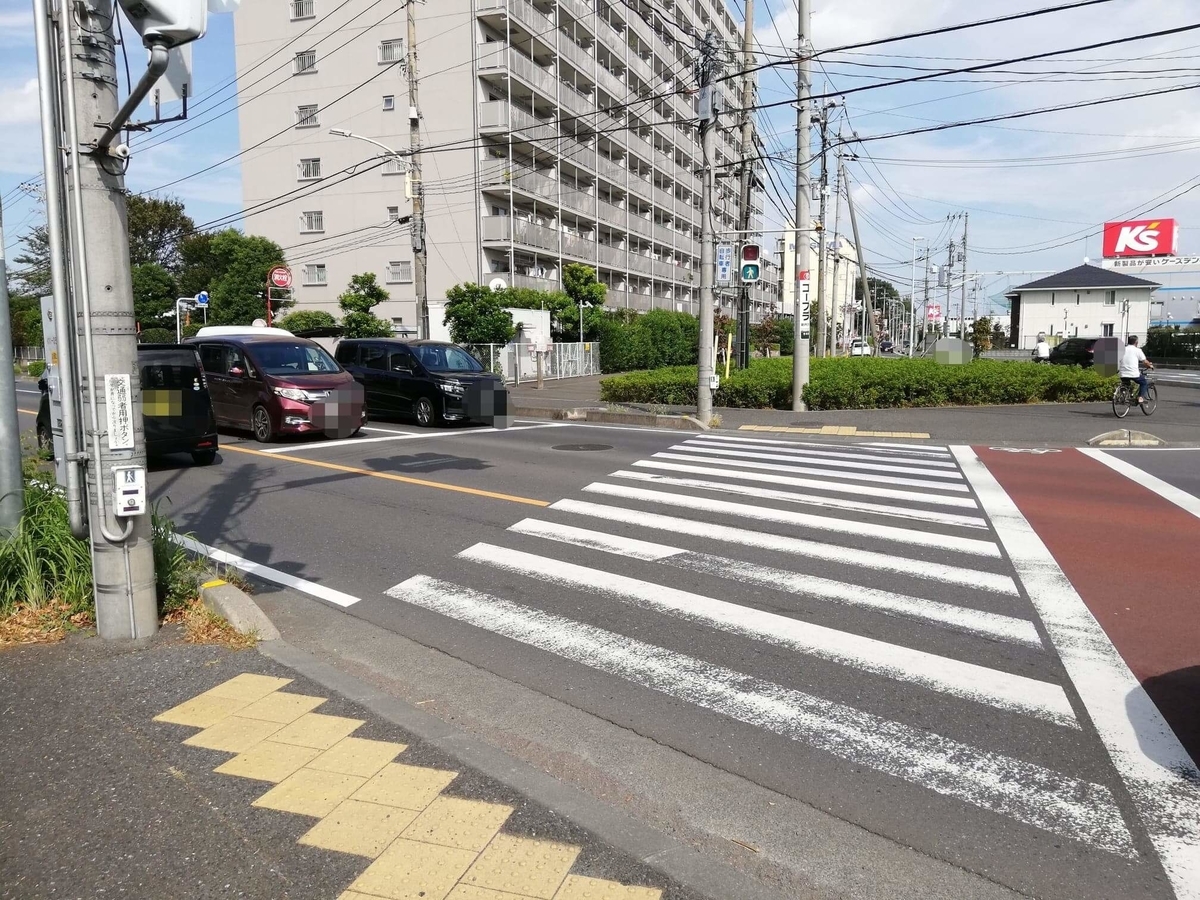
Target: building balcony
516 279
581 59
639 225
501 58
580 11
501 116
535 22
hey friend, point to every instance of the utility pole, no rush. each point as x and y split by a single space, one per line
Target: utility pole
803 223
12 487
868 308
122 552
708 66
835 306
925 301
950 286
912 301
414 178
820 306
743 320
962 303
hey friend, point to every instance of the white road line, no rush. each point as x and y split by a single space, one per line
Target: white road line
1167 491
405 436
915 450
1027 792
823 484
905 446
832 477
760 513
266 572
1163 780
878 509
800 452
867 559
972 621
817 460
387 430
953 677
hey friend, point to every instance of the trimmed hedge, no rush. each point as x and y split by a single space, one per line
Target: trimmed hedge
868 383
37 368
651 341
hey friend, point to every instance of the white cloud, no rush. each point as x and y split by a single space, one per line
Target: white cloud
19 103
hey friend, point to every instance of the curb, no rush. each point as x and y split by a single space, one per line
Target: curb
610 417
236 606
1124 437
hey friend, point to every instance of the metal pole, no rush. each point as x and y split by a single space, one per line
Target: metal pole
912 302
819 311
12 487
743 295
868 317
122 555
418 187
708 64
962 302
802 223
64 316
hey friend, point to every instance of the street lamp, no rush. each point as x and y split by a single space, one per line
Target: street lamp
417 230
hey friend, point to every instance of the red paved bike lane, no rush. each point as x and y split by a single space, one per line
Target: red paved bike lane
1132 556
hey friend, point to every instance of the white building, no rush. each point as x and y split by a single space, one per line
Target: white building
554 131
1086 301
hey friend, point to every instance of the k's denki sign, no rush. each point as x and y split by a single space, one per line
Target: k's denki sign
1144 237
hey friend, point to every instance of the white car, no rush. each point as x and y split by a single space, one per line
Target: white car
860 348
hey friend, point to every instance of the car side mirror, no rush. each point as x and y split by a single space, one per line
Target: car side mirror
237 372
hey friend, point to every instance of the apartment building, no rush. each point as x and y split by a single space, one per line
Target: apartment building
553 131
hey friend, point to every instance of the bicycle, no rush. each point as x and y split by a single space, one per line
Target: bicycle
1126 395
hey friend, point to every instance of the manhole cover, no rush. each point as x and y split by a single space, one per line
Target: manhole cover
583 447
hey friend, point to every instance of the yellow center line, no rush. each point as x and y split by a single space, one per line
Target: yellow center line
403 479
31 412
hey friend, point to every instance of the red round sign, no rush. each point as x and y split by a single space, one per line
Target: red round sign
281 277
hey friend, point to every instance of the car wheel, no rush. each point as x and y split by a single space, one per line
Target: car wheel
426 412
204 457
260 421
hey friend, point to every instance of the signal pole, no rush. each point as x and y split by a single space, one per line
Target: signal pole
962 304
708 66
12 486
743 322
819 307
802 224
414 175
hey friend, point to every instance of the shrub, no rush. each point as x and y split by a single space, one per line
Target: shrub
43 562
660 337
36 368
306 320
156 336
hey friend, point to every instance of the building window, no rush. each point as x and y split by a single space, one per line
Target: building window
393 166
1106 330
307 116
314 273
310 168
391 51
399 272
303 9
1110 298
305 62
311 222
393 214
389 102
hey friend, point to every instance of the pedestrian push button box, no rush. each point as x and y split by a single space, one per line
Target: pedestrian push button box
129 491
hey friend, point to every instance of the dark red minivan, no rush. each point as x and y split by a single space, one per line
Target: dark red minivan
274 383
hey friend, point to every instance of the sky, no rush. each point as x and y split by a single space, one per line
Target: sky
1036 189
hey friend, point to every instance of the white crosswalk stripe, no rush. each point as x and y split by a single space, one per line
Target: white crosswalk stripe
1024 791
814 470
911 614
787 517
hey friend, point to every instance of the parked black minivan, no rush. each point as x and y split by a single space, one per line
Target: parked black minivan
177 412
430 380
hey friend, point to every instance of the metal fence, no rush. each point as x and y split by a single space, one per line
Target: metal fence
517 363
26 354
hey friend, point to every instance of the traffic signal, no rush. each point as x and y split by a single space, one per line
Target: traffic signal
751 263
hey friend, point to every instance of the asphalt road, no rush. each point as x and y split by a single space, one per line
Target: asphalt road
779 632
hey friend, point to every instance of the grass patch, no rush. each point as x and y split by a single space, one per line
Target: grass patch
203 626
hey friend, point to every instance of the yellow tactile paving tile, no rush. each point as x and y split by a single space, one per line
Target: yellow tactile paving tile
357 756
470 892
409 787
308 792
248 687
268 761
281 707
233 734
579 887
409 870
364 829
203 711
522 866
316 730
465 824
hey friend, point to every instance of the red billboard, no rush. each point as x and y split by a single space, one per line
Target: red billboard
1144 237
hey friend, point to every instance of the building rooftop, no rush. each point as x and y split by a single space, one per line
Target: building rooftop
1085 277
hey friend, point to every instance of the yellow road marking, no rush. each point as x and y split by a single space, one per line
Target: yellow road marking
403 479
835 430
31 412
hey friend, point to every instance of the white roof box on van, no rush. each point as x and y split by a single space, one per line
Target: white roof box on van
230 330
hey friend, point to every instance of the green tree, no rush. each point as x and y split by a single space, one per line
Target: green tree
32 266
981 334
154 294
25 319
880 288
363 294
199 266
476 315
306 320
157 228
581 286
156 336
233 268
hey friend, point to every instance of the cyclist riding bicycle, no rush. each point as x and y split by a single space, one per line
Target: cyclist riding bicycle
1133 360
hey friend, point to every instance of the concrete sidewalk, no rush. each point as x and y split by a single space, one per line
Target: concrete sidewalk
174 770
1177 419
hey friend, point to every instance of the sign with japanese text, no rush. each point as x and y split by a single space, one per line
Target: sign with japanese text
118 399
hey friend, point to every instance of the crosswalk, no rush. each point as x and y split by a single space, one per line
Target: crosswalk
678 572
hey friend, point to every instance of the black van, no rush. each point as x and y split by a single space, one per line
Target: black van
430 380
177 412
